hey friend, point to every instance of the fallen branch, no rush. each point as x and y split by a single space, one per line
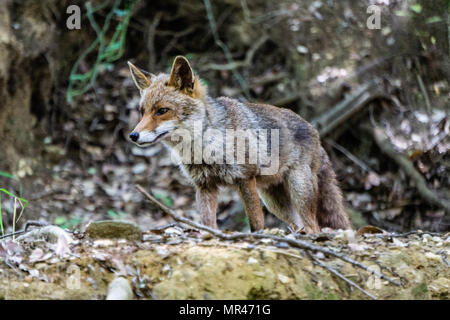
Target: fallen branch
339 275
345 109
241 235
25 229
407 167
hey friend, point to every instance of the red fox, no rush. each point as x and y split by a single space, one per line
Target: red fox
303 191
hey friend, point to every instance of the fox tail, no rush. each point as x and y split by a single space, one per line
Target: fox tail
331 212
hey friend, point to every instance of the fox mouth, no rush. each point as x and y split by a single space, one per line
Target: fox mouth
158 137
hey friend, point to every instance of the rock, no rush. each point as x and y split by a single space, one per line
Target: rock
252 260
119 289
139 168
283 278
108 229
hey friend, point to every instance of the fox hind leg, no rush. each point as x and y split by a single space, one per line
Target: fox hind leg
302 186
277 200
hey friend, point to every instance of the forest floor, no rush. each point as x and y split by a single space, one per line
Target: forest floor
178 262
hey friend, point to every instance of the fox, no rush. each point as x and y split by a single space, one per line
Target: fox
303 192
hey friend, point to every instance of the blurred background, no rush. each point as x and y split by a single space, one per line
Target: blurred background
372 76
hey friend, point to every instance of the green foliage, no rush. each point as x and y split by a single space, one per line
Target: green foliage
416 7
65 223
114 215
164 198
12 177
23 203
107 52
433 19
7 175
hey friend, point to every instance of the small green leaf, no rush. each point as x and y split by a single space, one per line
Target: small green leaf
416 7
112 214
60 220
7 175
434 19
402 13
74 221
165 199
25 201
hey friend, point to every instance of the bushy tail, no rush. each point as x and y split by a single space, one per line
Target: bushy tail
331 212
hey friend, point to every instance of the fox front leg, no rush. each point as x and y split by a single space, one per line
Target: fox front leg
207 205
252 203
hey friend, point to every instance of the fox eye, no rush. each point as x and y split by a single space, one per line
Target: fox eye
161 111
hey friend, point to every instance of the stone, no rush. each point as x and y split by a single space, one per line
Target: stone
108 229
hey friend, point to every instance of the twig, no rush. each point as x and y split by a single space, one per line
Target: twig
339 275
406 165
221 44
444 257
405 234
244 63
25 229
151 40
287 99
424 92
347 108
241 235
349 155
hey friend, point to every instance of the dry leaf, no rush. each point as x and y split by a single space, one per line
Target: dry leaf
369 230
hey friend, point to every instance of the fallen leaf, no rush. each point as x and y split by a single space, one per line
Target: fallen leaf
370 230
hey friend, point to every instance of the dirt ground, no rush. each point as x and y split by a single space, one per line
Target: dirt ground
181 263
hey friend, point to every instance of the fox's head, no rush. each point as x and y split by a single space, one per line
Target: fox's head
168 102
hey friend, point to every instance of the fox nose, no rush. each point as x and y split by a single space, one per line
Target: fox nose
134 136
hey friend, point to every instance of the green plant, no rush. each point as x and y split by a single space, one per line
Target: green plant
12 177
107 52
114 215
164 198
23 204
65 223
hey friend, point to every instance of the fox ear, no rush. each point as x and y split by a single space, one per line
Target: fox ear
140 77
182 75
